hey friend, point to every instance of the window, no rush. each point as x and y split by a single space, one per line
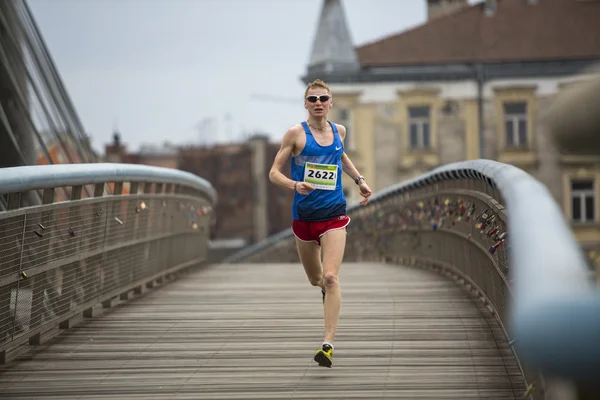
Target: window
419 127
345 118
582 200
515 124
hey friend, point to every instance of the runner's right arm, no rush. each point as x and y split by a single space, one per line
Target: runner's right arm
284 153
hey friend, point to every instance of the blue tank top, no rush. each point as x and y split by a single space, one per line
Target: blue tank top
319 204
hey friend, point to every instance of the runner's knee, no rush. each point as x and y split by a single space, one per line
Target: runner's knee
331 280
315 281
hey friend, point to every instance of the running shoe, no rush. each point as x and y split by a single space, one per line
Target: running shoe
324 356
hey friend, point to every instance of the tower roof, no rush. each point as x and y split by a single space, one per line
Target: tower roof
332 50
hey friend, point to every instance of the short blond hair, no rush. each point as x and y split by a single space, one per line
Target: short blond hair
317 83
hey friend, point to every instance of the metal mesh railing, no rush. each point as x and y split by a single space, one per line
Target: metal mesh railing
462 229
60 259
476 222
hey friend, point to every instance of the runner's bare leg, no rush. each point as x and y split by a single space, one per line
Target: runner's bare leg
333 244
310 256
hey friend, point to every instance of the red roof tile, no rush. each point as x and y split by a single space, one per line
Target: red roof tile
517 31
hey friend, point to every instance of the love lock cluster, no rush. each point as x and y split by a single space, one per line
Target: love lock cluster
439 213
193 214
436 213
489 227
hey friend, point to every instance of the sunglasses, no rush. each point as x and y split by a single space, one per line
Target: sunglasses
323 98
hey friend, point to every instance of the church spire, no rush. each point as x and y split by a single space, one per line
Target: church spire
332 50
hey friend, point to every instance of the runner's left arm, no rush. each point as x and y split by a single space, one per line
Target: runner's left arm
347 164
349 167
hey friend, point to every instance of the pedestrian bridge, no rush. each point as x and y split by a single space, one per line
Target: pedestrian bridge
463 283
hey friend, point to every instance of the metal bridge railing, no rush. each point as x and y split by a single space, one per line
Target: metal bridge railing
497 231
61 258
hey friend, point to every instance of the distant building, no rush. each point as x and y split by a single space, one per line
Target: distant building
165 156
473 81
249 207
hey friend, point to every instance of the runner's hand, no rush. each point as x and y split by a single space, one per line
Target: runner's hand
304 188
365 191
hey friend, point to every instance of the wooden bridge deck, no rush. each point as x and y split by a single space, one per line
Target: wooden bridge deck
249 331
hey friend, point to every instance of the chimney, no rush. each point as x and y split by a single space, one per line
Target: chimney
260 172
115 151
437 8
116 139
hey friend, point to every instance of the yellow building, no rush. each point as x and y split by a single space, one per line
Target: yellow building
473 81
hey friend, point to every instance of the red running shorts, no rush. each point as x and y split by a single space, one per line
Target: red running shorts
312 231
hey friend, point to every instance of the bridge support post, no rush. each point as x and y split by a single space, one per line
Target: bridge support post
66 324
108 303
139 290
126 295
35 340
88 313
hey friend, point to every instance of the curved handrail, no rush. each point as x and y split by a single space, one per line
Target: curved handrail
20 179
555 307
99 248
574 116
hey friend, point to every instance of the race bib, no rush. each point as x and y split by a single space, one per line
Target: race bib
321 176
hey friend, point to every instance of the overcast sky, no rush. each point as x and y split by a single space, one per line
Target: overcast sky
156 68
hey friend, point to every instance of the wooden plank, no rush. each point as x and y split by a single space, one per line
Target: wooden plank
250 331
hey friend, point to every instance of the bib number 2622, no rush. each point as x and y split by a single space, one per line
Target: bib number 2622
321 176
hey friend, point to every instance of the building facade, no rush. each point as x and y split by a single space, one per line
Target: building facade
472 82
